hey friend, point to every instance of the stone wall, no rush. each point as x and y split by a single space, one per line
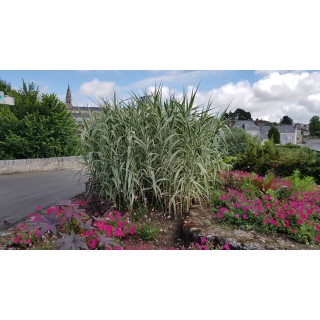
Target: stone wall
45 164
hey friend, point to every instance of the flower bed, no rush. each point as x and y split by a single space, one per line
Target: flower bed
269 204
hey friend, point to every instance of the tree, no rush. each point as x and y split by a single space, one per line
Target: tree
239 114
314 126
286 120
274 135
37 127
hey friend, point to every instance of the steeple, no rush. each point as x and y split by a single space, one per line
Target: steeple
68 98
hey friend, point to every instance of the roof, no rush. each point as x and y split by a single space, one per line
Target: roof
246 124
84 108
287 129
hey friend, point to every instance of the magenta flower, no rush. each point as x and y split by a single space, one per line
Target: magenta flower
132 230
274 222
219 215
303 216
318 238
244 216
222 210
226 246
203 240
300 222
39 207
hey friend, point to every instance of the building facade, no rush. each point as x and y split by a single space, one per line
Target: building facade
288 134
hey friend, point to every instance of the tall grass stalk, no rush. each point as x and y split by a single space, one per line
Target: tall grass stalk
160 152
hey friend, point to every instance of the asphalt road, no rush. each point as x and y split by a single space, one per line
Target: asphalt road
21 194
313 144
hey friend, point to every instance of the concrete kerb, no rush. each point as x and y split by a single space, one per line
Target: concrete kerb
42 164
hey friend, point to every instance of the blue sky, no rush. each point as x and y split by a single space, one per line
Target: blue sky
266 94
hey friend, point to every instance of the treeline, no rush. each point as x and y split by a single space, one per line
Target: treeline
37 126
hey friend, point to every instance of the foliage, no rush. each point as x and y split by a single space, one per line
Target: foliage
239 114
296 215
281 160
274 135
72 241
46 223
302 183
236 141
161 153
95 205
37 126
314 126
148 232
286 120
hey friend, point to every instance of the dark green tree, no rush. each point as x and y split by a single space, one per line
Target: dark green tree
286 120
274 135
239 114
314 126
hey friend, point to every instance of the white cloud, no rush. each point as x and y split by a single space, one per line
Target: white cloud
275 95
98 88
173 78
296 94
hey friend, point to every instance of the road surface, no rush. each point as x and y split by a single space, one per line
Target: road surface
22 193
313 144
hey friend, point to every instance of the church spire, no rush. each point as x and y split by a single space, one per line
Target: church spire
69 98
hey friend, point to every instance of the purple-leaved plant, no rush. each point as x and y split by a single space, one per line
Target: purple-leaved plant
73 242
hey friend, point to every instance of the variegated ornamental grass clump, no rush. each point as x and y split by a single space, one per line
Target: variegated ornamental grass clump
156 152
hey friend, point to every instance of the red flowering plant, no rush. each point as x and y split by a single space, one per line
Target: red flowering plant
295 213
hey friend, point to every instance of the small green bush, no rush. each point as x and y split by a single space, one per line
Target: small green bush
302 184
148 232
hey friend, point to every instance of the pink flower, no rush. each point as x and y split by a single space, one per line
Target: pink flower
219 215
318 228
267 197
303 216
237 216
287 223
300 222
203 240
132 230
226 246
39 207
274 222
245 208
222 210
244 216
318 238
28 241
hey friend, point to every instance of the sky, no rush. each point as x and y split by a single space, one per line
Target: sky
268 95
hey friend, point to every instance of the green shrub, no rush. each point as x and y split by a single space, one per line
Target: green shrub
148 232
301 184
281 160
161 153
